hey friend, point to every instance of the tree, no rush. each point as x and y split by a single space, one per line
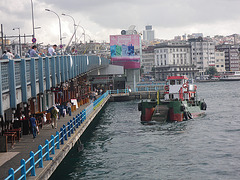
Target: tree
211 71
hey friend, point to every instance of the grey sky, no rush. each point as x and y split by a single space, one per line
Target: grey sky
101 18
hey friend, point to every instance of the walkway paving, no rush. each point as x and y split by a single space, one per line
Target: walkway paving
21 150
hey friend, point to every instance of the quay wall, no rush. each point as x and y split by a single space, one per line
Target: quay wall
50 166
137 95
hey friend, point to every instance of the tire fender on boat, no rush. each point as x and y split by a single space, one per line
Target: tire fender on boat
166 87
182 107
140 106
203 106
185 115
189 115
185 85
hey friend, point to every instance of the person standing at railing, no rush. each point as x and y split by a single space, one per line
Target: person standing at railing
54 114
52 50
9 54
33 125
33 51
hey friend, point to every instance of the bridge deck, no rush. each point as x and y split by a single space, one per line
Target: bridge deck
21 150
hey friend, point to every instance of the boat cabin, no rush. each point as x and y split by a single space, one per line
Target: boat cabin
178 88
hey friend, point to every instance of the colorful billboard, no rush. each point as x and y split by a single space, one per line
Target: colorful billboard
125 50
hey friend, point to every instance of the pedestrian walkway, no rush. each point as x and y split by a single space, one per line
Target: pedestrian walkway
21 150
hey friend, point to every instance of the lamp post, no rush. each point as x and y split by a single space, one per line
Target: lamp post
74 26
20 50
33 19
59 26
88 37
83 32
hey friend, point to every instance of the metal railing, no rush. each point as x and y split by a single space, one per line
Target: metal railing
150 88
118 91
50 146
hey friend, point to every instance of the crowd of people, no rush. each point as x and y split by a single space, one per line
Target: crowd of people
33 52
56 111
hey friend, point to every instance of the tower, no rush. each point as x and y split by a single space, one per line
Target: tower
148 33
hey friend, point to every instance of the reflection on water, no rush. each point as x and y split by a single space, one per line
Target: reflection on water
120 147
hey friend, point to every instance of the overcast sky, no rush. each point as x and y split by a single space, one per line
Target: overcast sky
101 18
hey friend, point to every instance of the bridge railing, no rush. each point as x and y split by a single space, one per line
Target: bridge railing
150 88
44 152
118 91
41 74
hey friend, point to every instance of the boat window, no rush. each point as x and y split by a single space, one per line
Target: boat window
172 82
179 81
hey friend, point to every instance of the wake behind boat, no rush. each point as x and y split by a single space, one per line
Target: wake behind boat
180 102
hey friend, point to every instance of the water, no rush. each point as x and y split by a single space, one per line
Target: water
120 147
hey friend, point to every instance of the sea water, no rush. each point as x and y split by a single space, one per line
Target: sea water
118 146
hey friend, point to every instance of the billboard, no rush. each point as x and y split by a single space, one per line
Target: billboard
125 50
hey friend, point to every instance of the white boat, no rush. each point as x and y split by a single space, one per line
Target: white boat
230 76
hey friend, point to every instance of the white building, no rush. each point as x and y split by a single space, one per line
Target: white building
202 54
173 53
148 33
173 58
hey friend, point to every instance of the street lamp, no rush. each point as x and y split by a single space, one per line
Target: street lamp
83 32
74 26
59 26
32 19
20 50
88 37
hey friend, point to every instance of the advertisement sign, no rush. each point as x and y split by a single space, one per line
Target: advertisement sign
125 50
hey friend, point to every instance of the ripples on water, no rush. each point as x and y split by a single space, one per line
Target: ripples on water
120 147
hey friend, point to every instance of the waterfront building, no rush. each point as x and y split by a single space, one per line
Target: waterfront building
202 54
231 56
148 34
220 61
148 59
173 59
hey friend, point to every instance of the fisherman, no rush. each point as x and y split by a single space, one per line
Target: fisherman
52 50
33 51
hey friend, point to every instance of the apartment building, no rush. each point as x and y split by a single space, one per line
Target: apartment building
202 54
173 59
231 56
220 61
148 60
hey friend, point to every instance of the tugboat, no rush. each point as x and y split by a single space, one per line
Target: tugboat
180 102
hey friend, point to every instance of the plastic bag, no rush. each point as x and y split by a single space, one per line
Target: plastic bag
44 118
